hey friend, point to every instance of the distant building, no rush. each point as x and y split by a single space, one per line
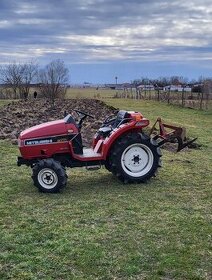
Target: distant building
146 87
115 86
177 88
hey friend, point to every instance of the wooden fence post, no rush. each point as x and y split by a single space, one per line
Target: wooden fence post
168 99
183 97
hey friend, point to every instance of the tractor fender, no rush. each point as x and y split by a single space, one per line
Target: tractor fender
117 134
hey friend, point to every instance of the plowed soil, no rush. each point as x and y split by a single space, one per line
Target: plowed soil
17 116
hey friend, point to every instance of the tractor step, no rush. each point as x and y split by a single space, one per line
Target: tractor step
93 168
90 153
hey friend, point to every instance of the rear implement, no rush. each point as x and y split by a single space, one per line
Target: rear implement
173 135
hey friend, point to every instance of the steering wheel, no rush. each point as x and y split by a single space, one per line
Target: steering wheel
83 113
109 120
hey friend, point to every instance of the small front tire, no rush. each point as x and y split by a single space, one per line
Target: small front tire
49 176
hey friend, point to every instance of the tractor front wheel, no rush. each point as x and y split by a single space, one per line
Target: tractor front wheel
135 158
49 176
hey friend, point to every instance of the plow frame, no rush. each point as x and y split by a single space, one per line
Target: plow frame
176 133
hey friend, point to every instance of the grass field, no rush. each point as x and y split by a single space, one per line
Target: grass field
98 228
89 93
174 97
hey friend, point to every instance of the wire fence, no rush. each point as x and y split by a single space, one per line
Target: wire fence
194 100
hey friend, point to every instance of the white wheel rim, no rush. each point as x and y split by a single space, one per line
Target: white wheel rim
47 178
137 160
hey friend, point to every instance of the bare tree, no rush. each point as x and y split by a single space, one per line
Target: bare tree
18 77
11 77
53 80
28 75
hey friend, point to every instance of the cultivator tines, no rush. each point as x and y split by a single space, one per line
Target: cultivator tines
170 133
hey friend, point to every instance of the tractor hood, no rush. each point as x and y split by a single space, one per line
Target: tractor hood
46 129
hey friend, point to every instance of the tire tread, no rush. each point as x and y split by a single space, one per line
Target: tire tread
121 145
58 169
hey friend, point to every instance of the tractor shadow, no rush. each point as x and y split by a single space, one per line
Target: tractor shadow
100 181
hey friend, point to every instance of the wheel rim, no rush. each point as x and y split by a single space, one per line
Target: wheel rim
47 178
137 160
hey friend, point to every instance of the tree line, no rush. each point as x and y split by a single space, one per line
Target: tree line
51 80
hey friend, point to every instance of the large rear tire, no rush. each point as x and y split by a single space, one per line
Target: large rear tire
135 158
49 176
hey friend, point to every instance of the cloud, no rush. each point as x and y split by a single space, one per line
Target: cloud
102 31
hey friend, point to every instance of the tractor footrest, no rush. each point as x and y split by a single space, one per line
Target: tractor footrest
90 153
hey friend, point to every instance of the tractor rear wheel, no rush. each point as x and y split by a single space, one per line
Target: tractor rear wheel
135 158
49 176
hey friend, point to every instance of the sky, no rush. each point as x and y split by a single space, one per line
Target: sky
102 39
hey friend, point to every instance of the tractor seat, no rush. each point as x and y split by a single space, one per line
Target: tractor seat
122 117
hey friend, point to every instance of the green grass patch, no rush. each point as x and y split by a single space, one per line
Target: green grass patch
4 102
98 228
90 93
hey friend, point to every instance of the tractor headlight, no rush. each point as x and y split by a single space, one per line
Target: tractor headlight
20 142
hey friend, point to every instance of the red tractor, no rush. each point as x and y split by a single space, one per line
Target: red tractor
120 145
